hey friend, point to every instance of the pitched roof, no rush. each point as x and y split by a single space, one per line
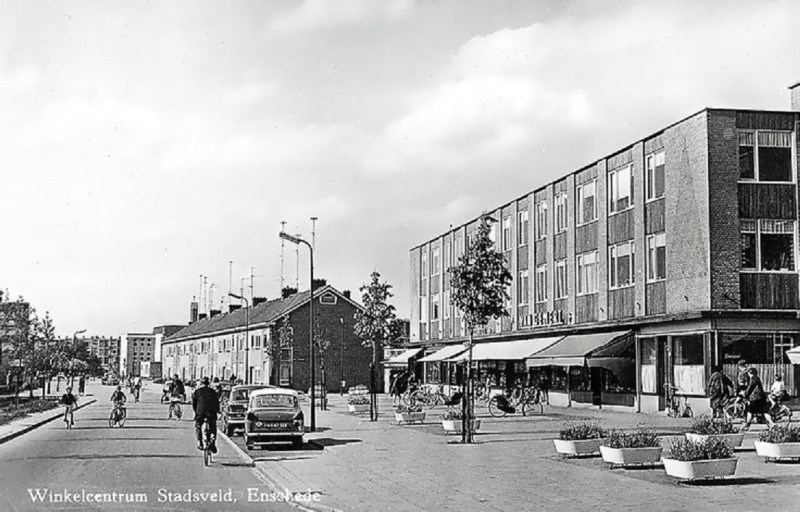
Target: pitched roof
264 313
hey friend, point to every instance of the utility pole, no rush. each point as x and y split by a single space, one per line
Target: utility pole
283 242
314 232
230 279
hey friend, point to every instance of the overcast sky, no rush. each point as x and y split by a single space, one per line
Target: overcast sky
143 144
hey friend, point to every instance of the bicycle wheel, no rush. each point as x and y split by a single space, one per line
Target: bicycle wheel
494 408
121 418
532 406
71 421
406 398
112 419
418 397
178 411
784 413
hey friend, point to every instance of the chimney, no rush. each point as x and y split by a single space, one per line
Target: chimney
215 312
233 307
795 96
346 293
193 312
202 316
288 291
259 300
319 283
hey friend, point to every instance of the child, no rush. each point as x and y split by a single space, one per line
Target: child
777 390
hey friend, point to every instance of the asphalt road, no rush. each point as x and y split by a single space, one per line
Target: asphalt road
152 461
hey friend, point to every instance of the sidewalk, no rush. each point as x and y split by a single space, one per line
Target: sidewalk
20 426
362 465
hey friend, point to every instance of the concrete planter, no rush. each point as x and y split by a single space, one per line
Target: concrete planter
648 456
696 469
358 408
578 447
735 440
777 451
455 426
409 417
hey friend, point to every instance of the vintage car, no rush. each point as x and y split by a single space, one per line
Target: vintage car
233 405
273 415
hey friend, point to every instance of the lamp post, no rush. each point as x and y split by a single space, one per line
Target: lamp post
297 241
246 336
72 362
341 360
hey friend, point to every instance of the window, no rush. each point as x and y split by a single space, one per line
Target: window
435 262
687 360
257 341
561 212
424 263
587 273
541 283
561 279
446 304
423 309
448 255
541 220
435 306
523 284
656 257
649 355
522 228
507 233
655 175
620 189
767 245
620 265
492 234
585 202
765 155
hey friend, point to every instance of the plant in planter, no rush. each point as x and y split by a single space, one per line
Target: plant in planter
779 442
704 427
451 420
637 448
711 458
579 439
409 414
358 403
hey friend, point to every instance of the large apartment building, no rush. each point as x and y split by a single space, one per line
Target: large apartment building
644 269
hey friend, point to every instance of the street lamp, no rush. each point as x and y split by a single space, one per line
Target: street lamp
72 363
297 241
246 336
341 360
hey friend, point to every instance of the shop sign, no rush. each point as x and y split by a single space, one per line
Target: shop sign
548 318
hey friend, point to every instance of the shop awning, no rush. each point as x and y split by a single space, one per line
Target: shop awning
443 353
506 350
574 350
401 360
794 355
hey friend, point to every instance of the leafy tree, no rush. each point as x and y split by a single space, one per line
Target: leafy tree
479 284
375 326
285 340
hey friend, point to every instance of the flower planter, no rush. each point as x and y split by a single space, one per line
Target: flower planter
578 447
735 440
409 417
455 426
776 451
696 469
358 408
647 456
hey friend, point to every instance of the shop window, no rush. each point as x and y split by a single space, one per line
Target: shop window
558 378
765 155
621 265
688 364
649 353
586 202
587 273
767 245
620 189
656 257
655 176
432 373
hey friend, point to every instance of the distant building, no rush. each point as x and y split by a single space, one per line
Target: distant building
268 343
138 347
105 348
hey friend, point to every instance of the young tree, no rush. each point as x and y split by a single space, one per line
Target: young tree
375 326
285 340
322 342
479 284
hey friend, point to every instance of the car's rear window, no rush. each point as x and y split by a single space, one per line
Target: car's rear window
240 394
276 401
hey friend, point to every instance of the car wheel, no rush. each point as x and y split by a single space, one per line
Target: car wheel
229 430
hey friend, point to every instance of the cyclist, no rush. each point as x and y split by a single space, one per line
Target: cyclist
757 400
177 392
216 386
205 403
777 391
118 398
69 401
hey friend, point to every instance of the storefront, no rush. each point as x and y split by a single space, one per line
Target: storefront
438 370
403 362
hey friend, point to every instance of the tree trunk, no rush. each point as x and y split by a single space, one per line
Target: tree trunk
466 404
373 401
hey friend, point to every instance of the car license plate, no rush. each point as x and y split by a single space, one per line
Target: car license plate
277 425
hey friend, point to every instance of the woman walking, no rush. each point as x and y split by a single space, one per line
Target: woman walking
757 399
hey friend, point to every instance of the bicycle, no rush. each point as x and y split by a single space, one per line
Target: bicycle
429 397
208 441
118 415
523 399
175 409
677 405
69 417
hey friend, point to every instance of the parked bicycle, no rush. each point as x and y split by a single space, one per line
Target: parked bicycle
677 404
520 399
429 397
208 441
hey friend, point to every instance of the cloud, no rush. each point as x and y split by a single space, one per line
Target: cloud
325 15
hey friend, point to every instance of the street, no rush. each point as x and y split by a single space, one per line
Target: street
149 464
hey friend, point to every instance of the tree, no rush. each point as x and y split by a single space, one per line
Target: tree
479 284
375 326
322 342
285 340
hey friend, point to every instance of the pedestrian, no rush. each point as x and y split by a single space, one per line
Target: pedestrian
81 385
720 389
395 390
544 387
743 378
342 386
757 398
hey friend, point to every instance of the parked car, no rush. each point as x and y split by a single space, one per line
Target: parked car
273 415
109 380
233 405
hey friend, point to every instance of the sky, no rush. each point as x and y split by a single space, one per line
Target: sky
144 144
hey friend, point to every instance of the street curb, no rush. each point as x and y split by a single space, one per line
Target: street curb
14 435
241 453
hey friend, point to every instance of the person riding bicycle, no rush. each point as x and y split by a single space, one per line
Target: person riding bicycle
166 391
720 389
118 398
69 401
757 400
205 403
177 390
216 386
